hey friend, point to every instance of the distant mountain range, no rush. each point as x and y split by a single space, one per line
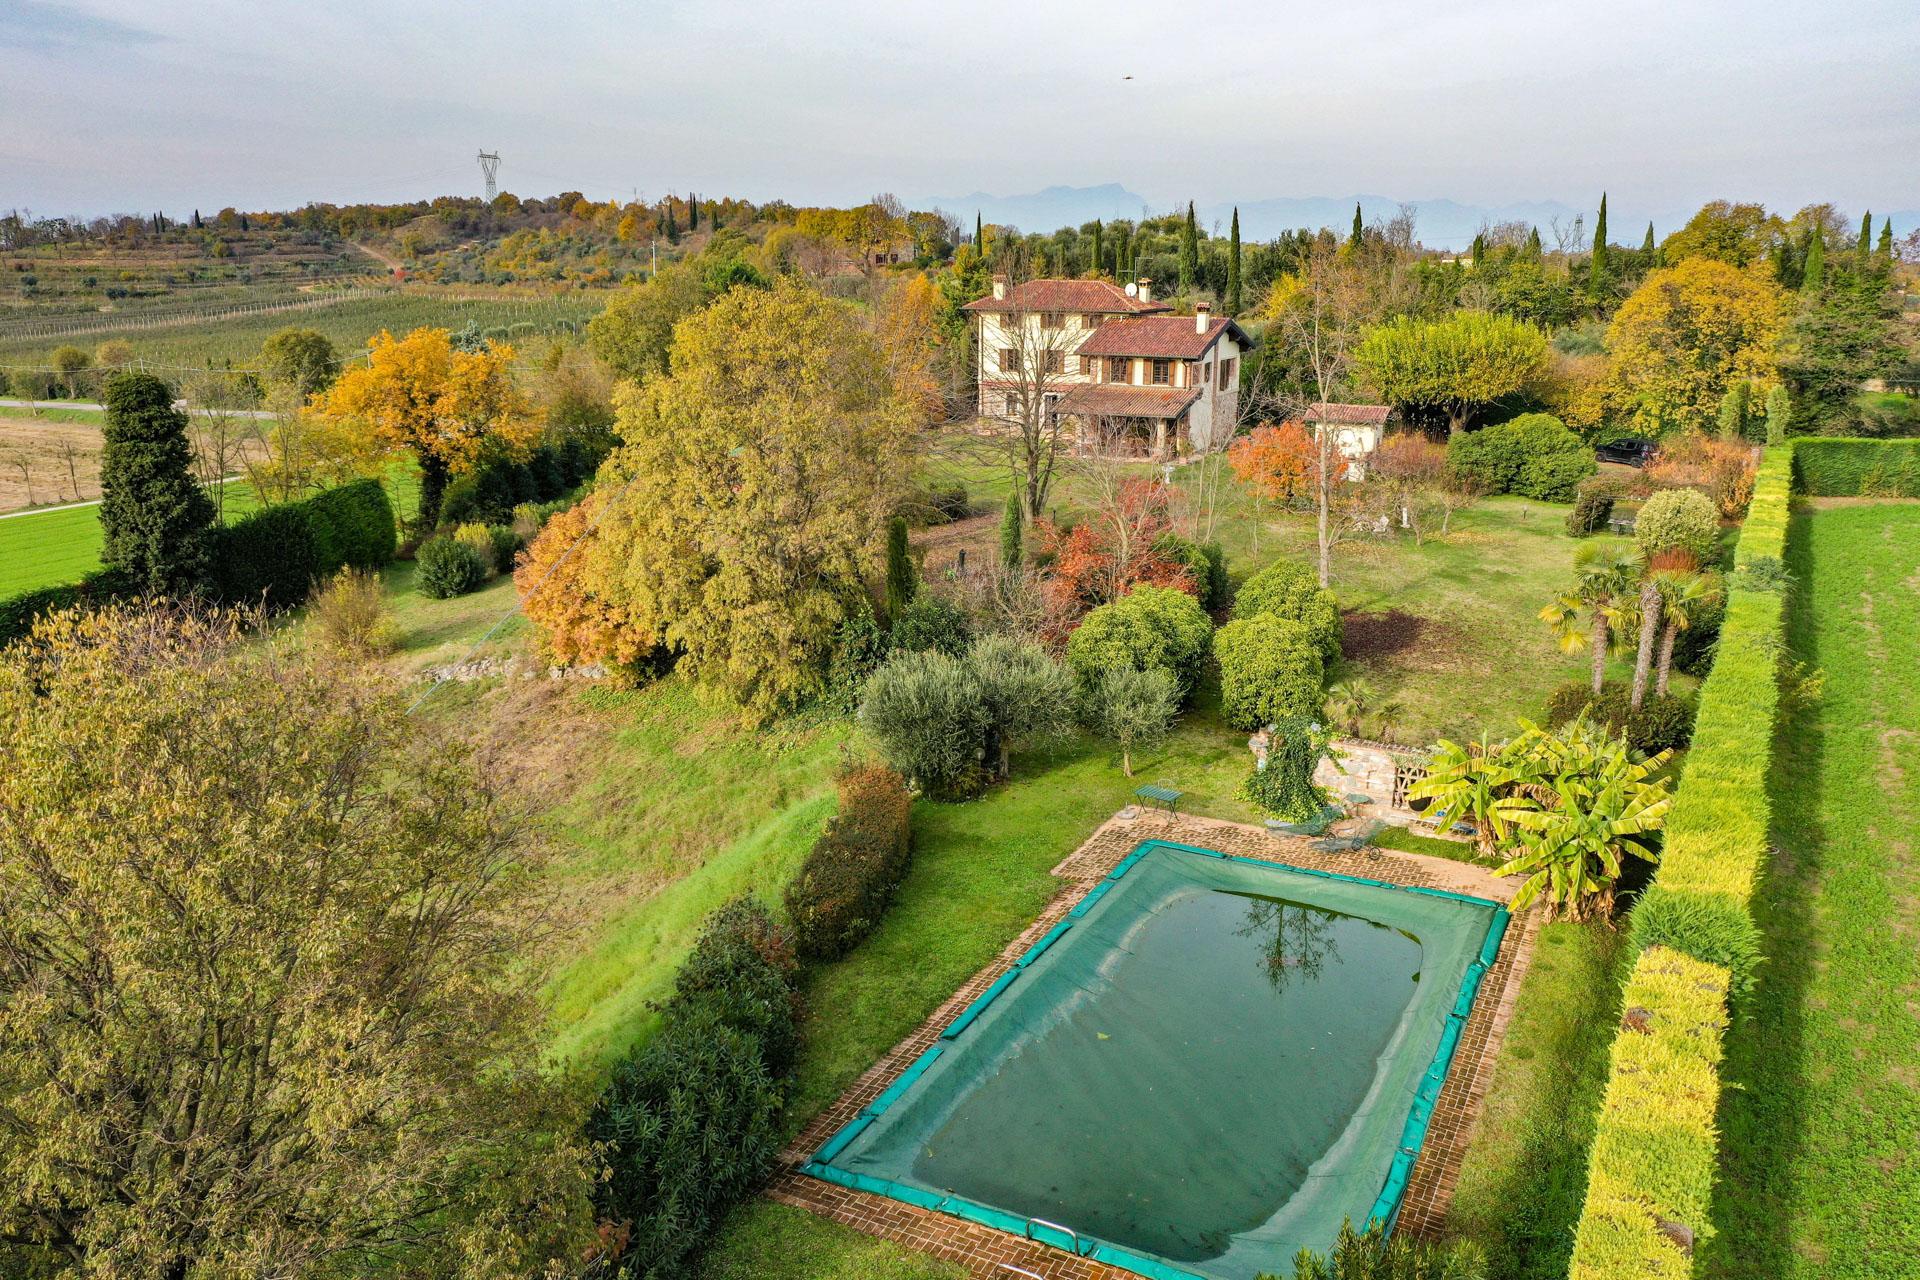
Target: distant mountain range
1439 223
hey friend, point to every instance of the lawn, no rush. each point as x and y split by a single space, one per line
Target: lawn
1821 1120
1447 637
1524 1178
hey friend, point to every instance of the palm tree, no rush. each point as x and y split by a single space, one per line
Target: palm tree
1587 615
1683 594
1662 579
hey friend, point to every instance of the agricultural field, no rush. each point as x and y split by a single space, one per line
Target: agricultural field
348 324
1822 1119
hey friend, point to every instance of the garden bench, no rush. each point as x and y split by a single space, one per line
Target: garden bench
1353 843
1167 796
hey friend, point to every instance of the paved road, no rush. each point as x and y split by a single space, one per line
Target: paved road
88 406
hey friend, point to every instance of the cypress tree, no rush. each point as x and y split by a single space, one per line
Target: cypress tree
155 522
1233 265
900 578
1866 235
1814 273
1779 409
673 231
1479 250
1010 533
1099 258
1189 251
1533 243
1886 241
1733 411
693 213
979 236
1598 268
1359 227
1650 250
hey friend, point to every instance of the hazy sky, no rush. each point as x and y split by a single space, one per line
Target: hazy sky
107 105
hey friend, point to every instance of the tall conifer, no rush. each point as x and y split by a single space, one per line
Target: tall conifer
1599 265
1233 265
1814 273
1359 228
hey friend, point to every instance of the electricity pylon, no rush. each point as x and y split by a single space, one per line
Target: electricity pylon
490 168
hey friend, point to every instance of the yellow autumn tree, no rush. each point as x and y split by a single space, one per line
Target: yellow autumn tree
446 406
747 507
906 324
1688 333
561 593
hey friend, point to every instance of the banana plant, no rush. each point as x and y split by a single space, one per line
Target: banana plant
1465 784
1584 805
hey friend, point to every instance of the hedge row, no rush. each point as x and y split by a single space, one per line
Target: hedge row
690 1123
1716 836
1829 468
274 556
271 557
1650 1178
848 878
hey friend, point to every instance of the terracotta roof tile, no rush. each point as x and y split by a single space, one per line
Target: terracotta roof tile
1067 295
1158 336
1358 414
1123 400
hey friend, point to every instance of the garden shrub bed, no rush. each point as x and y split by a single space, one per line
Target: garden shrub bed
1830 468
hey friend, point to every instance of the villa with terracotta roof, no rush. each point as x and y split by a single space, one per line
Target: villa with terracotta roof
1357 430
1129 376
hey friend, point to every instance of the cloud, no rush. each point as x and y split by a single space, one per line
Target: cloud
37 25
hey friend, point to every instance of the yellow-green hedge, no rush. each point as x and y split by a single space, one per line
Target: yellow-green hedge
1650 1177
1716 838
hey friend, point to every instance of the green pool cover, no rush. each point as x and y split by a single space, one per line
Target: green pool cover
1205 1068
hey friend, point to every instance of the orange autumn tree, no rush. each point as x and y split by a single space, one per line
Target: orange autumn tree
1276 462
1118 547
576 619
444 405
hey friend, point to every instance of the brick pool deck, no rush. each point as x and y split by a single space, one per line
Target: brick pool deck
984 1252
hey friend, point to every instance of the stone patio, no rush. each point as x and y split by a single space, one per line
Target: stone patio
985 1252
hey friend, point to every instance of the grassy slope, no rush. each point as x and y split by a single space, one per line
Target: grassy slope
1822 1122
768 1241
1524 1179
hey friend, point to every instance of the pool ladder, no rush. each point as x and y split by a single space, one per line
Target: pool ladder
1066 1231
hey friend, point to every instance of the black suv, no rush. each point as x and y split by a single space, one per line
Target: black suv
1634 451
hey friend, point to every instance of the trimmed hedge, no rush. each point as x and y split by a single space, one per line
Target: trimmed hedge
1650 1176
690 1123
1828 468
1716 838
274 556
449 567
848 878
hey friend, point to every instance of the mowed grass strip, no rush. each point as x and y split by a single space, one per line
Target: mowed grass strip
1821 1124
1524 1179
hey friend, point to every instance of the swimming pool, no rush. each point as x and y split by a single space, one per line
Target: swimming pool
1204 1068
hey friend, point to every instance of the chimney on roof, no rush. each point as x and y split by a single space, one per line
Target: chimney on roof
1000 287
1202 317
1145 288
